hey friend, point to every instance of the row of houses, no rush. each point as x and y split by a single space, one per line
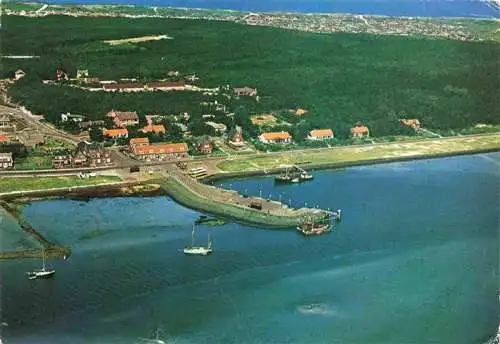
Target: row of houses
86 155
314 135
142 149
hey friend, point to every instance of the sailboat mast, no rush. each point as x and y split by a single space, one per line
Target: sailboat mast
192 237
43 258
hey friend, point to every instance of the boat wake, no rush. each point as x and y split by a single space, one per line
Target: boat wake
321 309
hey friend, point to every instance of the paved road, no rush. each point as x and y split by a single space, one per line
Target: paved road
125 162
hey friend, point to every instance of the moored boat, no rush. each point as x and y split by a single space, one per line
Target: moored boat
198 250
43 272
304 176
311 226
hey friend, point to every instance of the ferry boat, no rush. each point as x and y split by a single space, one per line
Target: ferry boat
198 250
43 272
311 227
291 176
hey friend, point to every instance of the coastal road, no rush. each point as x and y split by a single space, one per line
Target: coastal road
211 162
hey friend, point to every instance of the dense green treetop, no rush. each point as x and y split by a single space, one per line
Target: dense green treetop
340 78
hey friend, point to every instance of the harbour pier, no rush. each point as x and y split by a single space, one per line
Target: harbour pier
52 250
229 203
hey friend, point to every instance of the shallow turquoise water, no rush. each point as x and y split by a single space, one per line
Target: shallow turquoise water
415 260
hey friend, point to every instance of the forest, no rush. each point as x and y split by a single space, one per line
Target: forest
341 79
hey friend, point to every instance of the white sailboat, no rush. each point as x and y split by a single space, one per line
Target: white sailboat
43 272
198 250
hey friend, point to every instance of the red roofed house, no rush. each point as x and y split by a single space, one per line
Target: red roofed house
61 75
277 137
163 151
414 123
237 139
205 147
4 138
320 134
154 128
138 142
128 86
115 133
124 119
360 131
166 85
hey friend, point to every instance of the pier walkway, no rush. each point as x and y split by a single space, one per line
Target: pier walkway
232 204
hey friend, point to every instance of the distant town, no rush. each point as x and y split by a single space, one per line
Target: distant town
321 23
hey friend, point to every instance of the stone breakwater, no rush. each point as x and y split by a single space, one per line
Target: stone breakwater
231 204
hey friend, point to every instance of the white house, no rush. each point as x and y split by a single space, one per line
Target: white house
65 117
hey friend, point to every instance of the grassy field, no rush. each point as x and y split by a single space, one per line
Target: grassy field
361 153
340 78
33 163
8 184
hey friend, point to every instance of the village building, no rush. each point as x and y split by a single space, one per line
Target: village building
90 80
19 74
86 155
154 128
62 161
124 119
138 142
4 121
236 140
165 85
82 73
6 125
6 160
205 147
245 91
92 154
320 134
65 117
173 73
218 127
61 75
123 86
3 139
115 133
414 123
275 137
30 137
301 112
88 124
360 131
164 151
192 78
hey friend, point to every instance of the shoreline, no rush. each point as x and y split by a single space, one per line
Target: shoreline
245 13
188 197
341 165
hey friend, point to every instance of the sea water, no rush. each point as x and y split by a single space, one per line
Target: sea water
412 8
414 260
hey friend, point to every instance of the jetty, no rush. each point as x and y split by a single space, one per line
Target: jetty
51 250
231 204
